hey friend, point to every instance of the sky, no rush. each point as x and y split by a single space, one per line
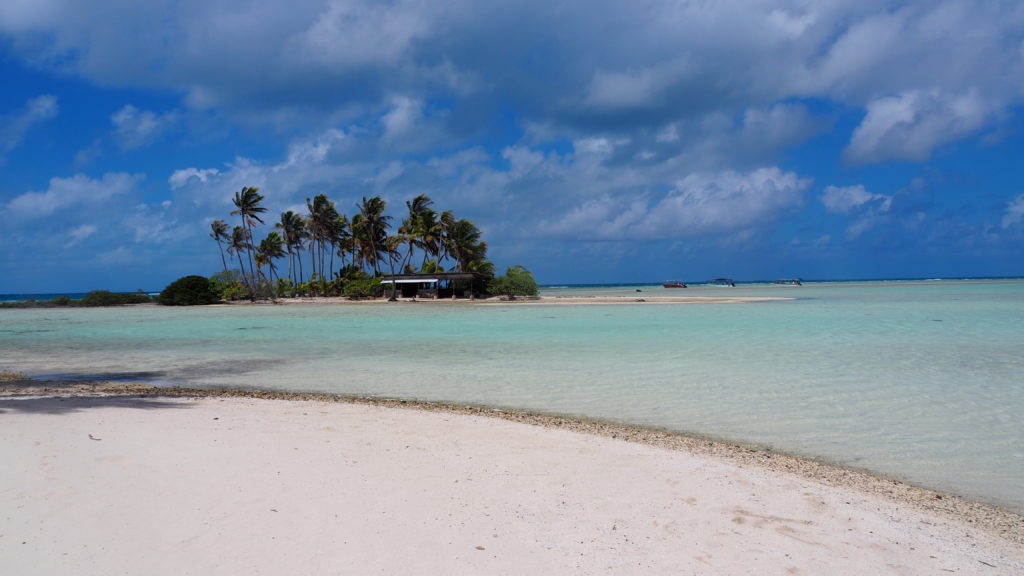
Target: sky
591 141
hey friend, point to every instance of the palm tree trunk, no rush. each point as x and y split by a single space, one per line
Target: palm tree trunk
222 260
241 267
332 259
312 258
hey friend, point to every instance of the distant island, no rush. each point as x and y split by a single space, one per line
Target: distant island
359 256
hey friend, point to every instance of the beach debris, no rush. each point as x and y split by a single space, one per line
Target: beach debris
91 437
480 548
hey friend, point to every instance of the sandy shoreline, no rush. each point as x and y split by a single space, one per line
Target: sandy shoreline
112 478
524 301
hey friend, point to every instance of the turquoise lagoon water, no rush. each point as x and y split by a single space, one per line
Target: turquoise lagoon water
919 380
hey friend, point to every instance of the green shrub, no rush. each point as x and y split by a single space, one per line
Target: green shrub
517 281
135 298
107 298
364 288
189 291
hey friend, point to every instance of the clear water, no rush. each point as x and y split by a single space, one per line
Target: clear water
918 380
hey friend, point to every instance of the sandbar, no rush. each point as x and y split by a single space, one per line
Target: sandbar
522 300
197 483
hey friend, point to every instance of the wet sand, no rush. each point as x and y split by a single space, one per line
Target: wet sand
525 301
120 478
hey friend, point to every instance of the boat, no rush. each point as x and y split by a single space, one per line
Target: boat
673 284
723 282
788 282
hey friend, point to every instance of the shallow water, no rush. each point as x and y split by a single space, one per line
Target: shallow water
916 380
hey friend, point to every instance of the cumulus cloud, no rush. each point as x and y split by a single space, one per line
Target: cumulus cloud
66 193
15 125
844 200
152 224
579 66
362 33
80 233
698 204
866 209
1014 212
182 177
911 125
402 117
632 88
722 203
134 127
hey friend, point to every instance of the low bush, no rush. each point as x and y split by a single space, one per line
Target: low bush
517 281
364 288
189 291
107 298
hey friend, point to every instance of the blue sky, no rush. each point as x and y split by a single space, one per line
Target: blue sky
591 141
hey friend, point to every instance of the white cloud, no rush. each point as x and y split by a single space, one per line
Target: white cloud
632 88
866 209
1014 212
152 224
911 125
566 67
723 203
719 203
80 233
403 116
668 134
14 126
844 200
74 192
181 178
359 33
134 128
313 151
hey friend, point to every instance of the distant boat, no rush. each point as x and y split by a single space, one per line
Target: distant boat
726 282
788 282
674 284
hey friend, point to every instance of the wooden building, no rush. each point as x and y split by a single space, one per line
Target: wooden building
433 286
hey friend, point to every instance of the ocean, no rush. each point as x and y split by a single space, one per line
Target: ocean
917 380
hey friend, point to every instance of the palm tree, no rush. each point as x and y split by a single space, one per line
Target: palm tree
340 233
392 248
240 243
445 223
219 233
419 227
247 206
322 218
373 225
464 242
430 235
271 247
294 229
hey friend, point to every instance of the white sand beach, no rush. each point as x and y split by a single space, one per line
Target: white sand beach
211 485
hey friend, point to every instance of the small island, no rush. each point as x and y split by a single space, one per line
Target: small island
326 253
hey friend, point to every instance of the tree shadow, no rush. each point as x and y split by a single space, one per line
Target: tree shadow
69 404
